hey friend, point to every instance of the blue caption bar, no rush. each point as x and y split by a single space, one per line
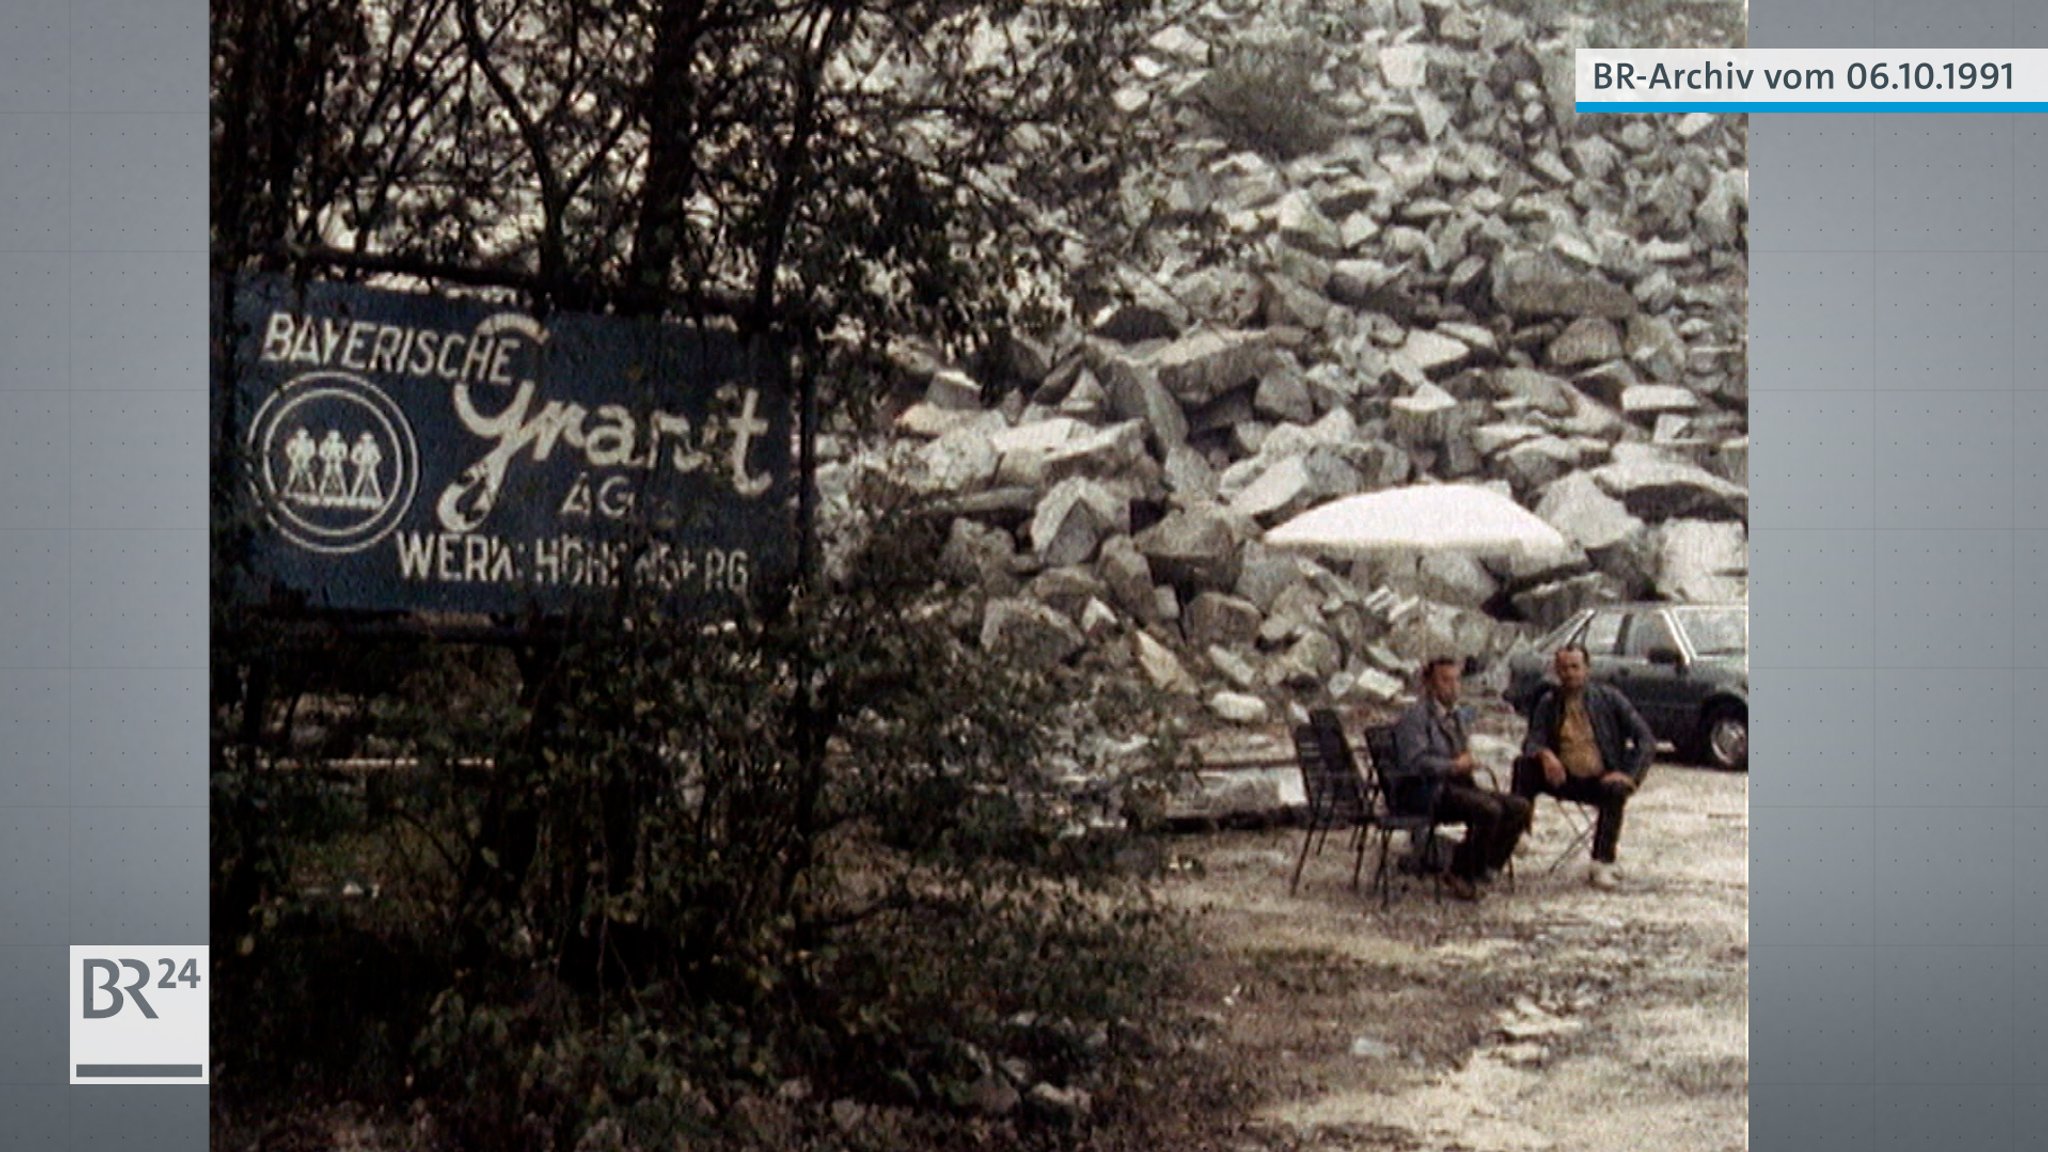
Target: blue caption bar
1836 106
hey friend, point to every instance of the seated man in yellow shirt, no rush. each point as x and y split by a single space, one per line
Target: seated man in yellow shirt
1587 744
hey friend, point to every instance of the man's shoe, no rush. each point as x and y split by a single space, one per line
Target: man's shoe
1604 878
1460 887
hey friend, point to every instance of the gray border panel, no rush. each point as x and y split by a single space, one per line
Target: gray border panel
1899 322
103 796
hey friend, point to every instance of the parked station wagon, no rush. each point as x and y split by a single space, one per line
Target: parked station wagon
1684 666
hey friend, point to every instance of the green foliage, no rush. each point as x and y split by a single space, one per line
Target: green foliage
663 868
835 844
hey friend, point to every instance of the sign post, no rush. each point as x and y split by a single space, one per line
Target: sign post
411 453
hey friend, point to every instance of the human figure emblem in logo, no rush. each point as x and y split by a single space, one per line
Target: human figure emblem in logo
298 453
333 456
338 466
366 492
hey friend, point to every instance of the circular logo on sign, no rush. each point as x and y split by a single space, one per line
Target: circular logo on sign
336 461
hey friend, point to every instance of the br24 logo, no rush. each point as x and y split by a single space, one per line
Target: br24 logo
112 969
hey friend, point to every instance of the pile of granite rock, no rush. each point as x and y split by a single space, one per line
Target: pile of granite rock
1390 253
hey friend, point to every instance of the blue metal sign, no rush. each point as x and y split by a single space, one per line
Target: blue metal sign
413 453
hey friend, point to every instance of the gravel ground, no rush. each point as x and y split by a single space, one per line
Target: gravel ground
1548 1016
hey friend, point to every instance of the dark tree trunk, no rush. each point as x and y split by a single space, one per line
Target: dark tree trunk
671 157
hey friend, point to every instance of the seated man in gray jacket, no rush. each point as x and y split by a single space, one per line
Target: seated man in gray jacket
1587 744
1430 741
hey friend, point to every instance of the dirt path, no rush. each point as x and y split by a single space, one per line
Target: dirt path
1551 1016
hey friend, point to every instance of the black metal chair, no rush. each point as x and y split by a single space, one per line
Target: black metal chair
1337 794
1405 802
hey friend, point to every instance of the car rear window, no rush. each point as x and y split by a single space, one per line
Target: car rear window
1602 633
1715 631
1648 631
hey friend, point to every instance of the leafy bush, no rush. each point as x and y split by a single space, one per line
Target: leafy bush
830 846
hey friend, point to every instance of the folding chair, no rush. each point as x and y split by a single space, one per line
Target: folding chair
1579 817
1336 794
1403 802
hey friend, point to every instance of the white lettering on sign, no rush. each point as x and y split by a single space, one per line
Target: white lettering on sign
566 561
611 498
576 505
609 437
481 356
440 559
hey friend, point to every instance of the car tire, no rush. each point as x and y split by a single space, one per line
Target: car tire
1724 739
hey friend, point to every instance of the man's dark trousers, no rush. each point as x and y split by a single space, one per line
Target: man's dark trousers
1493 822
1607 798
